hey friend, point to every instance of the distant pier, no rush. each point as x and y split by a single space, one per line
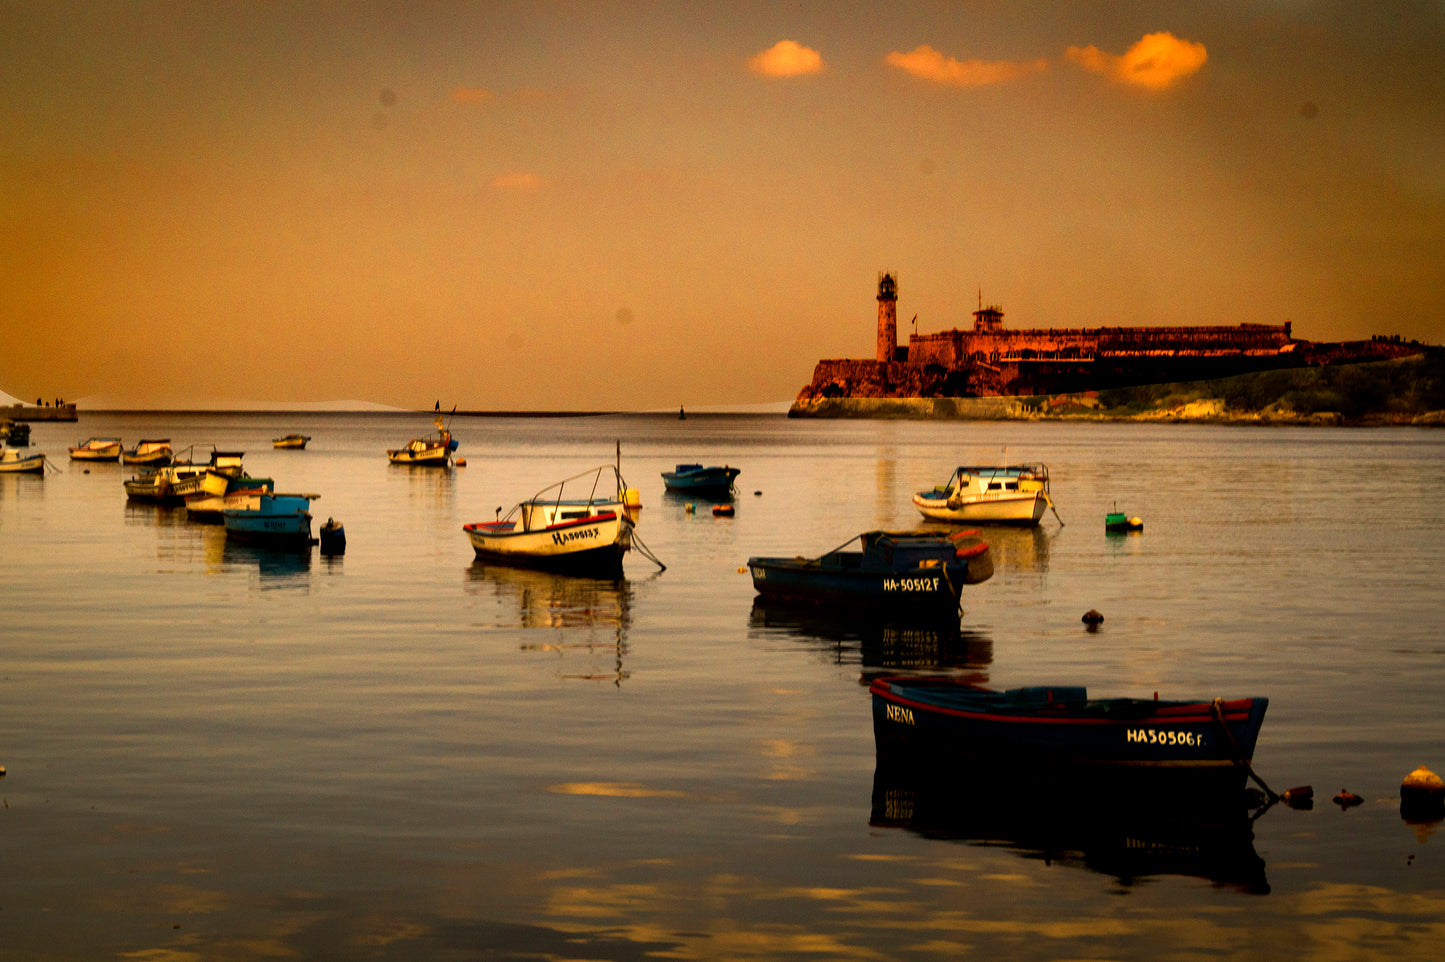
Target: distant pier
43 412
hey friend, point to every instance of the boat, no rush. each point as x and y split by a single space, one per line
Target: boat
15 433
282 520
917 572
14 461
218 492
164 484
574 535
694 478
97 449
1004 494
153 453
1051 731
296 441
430 451
213 476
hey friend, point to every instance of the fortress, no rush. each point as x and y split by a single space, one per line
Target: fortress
993 361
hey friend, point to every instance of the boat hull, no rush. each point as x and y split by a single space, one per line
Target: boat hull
293 441
592 545
96 450
1024 508
27 464
243 493
1054 730
926 591
439 458
278 519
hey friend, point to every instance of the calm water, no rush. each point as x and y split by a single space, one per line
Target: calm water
215 753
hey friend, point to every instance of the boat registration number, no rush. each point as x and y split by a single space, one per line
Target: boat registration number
910 584
564 537
1153 736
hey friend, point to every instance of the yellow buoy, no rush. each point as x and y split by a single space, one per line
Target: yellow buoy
1422 795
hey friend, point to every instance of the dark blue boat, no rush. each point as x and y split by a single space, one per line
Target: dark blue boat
1051 729
696 478
914 572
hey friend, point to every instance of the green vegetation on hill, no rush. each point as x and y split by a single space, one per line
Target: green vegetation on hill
1399 391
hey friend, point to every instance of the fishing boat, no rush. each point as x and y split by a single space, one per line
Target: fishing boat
153 453
14 461
434 450
1005 494
282 520
160 485
216 492
555 532
296 441
898 571
694 479
97 449
213 476
1054 729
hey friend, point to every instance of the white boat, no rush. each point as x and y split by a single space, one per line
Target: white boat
165 484
576 535
1006 494
154 453
430 451
14 461
97 449
213 476
214 495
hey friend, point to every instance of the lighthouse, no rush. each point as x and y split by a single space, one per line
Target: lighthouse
887 315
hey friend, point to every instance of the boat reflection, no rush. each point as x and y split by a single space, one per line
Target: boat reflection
277 565
874 642
1013 548
147 514
589 617
1120 836
682 499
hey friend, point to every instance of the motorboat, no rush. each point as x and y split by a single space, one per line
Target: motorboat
558 530
434 450
1003 494
15 461
152 453
97 449
291 441
695 479
918 572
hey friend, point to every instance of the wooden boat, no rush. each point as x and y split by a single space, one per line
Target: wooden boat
13 461
296 441
283 520
901 571
1012 494
694 478
160 485
1056 729
213 476
152 453
430 451
97 449
216 494
575 535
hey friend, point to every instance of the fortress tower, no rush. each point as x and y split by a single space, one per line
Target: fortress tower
887 316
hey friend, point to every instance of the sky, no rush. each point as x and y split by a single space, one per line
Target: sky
635 206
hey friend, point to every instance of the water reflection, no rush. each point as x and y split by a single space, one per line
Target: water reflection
873 642
709 496
1013 548
144 514
1128 841
589 616
277 566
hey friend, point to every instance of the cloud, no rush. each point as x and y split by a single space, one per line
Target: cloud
520 182
471 95
928 64
786 59
1156 61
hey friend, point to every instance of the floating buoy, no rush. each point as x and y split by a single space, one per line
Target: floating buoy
722 511
690 508
757 494
1301 797
460 462
333 537
1347 799
1092 617
1422 795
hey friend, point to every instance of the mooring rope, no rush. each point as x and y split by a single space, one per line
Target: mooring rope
1217 707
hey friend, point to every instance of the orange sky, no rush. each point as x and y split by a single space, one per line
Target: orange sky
637 205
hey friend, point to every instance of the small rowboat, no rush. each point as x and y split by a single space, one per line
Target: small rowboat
694 478
899 571
296 441
154 453
1059 728
97 449
576 535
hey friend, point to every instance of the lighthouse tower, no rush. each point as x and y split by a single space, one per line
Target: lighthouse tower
887 315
